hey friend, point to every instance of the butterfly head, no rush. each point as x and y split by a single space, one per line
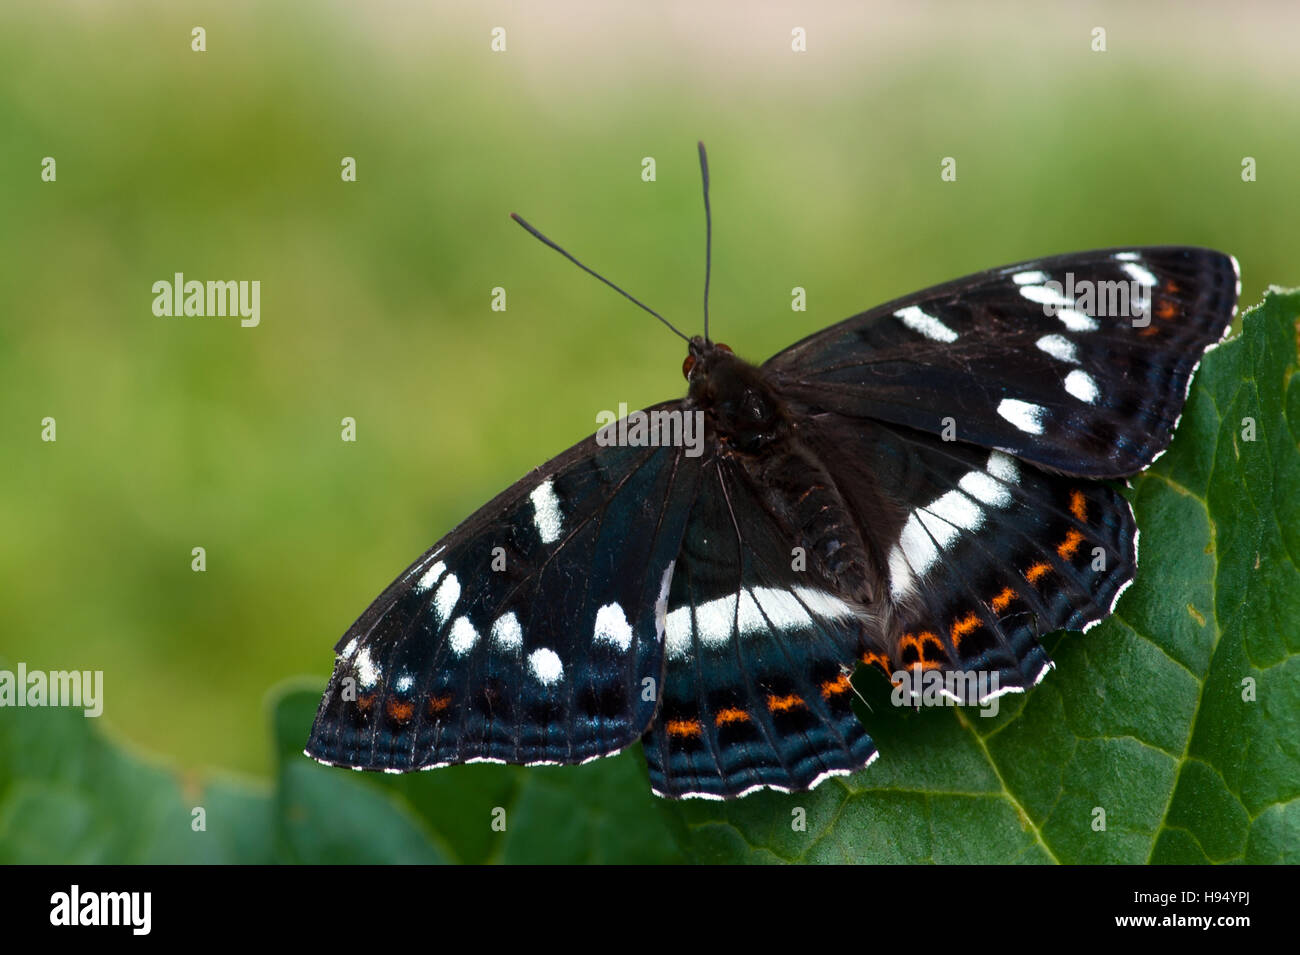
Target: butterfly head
734 394
699 355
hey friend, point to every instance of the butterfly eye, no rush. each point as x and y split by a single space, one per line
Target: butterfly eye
687 365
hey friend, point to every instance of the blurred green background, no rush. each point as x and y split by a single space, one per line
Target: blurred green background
375 295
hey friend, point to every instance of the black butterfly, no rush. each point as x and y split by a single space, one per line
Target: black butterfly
918 488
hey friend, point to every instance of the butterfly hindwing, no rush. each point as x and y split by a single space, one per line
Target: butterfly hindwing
981 553
528 634
1081 390
756 682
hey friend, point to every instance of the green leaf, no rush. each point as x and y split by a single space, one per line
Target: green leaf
1147 717
68 794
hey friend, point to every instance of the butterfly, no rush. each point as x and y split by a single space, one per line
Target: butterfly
928 487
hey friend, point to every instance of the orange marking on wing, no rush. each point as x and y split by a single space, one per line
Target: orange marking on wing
918 641
1166 309
1001 600
400 710
964 626
1079 506
731 715
1171 286
781 704
684 727
439 703
836 687
1149 331
365 701
877 659
1033 573
1071 543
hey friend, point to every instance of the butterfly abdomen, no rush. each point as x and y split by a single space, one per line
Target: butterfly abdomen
824 539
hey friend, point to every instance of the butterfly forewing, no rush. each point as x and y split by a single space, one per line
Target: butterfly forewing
1080 363
532 633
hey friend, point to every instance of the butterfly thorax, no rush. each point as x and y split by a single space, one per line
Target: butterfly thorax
754 430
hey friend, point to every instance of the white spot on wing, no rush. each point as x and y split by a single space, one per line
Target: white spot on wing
918 549
985 489
1080 384
1045 296
1140 275
463 636
1077 321
714 620
404 683
445 599
1025 416
948 515
546 512
661 604
901 580
755 610
430 577
780 610
506 632
1003 467
923 324
677 633
824 604
612 627
939 523
783 608
546 666
749 619
1059 347
1029 278
1072 319
367 673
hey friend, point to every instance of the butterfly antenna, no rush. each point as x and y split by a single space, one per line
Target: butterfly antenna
537 235
708 236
